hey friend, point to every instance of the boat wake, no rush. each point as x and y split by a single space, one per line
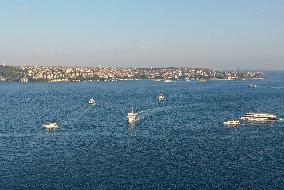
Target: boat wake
276 87
281 120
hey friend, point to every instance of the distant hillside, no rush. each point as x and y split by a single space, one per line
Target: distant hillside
10 73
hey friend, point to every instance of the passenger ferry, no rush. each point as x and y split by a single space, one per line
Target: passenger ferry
132 116
259 117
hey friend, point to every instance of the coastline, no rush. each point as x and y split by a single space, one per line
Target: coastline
118 80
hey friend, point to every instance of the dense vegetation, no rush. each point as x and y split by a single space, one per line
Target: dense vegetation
10 73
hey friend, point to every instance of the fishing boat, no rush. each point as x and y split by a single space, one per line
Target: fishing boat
232 122
161 97
92 102
50 126
132 116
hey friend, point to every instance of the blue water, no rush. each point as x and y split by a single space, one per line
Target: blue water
177 144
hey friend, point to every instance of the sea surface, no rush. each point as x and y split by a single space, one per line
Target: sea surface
177 144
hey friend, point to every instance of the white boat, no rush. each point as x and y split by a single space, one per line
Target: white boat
202 80
161 97
50 125
132 116
262 117
233 78
232 122
168 81
252 86
92 102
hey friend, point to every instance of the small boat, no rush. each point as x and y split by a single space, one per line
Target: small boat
161 97
232 122
92 102
202 80
50 126
168 81
252 86
132 116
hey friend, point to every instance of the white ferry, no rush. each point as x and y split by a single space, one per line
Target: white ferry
232 122
259 117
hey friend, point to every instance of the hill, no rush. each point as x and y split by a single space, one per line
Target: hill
10 73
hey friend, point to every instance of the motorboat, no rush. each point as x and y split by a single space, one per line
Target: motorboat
232 122
50 126
161 97
92 102
252 86
261 117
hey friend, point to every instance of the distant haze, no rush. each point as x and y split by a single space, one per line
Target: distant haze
219 34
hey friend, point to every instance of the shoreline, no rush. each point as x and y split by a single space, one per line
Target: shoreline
118 80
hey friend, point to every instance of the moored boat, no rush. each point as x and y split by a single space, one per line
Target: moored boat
202 80
168 81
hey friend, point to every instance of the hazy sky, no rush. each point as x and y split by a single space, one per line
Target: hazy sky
218 34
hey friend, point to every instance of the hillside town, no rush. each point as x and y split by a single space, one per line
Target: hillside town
79 74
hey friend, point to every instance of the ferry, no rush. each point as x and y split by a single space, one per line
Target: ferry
232 122
50 126
262 117
132 116
92 102
161 97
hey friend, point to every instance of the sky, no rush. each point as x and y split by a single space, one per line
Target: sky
216 34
